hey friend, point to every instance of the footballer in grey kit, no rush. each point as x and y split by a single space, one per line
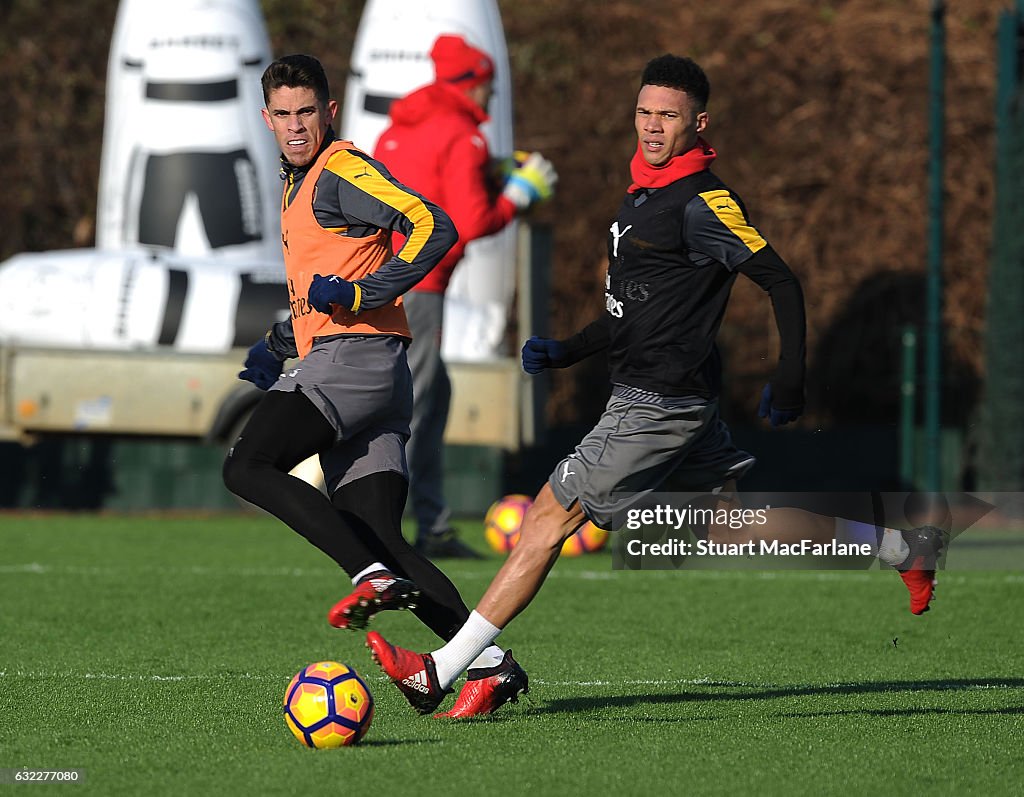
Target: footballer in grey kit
674 251
675 247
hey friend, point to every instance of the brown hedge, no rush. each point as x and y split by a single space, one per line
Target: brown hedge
819 112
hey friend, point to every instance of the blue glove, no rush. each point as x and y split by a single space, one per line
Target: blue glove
776 417
541 353
325 291
262 368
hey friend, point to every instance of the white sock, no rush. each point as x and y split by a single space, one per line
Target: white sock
491 657
476 635
893 550
376 567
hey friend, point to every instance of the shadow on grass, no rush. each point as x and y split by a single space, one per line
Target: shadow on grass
723 692
396 742
904 712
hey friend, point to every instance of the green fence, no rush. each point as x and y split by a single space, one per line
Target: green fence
1001 419
86 473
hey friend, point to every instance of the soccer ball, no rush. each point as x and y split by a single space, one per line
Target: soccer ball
328 705
586 539
505 518
503 521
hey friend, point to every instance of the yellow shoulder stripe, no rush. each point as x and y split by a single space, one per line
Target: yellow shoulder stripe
362 175
728 212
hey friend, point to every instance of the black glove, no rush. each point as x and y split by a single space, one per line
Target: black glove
262 368
777 417
541 353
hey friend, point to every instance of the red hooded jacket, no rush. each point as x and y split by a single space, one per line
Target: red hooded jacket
434 146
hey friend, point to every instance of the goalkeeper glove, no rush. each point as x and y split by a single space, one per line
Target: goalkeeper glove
503 167
532 182
325 291
541 353
262 368
776 416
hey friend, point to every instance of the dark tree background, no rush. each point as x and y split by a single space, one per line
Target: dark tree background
819 112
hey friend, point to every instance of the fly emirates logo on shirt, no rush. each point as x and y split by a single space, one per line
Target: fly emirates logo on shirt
613 305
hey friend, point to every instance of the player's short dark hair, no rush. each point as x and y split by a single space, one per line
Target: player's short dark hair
296 71
678 72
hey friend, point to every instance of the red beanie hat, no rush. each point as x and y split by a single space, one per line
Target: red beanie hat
455 61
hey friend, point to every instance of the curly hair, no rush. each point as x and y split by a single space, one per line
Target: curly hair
678 72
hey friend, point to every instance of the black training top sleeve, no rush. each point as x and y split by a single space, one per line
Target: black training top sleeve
369 197
594 337
281 340
771 274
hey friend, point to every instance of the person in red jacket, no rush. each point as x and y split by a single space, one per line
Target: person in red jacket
434 145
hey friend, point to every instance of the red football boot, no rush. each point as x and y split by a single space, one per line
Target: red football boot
412 673
378 592
921 584
489 688
918 570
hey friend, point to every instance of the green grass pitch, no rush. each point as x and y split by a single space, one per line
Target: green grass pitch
154 652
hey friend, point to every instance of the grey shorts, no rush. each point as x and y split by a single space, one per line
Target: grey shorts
363 387
370 451
642 443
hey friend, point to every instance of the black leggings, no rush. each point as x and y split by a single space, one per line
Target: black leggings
363 526
372 506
